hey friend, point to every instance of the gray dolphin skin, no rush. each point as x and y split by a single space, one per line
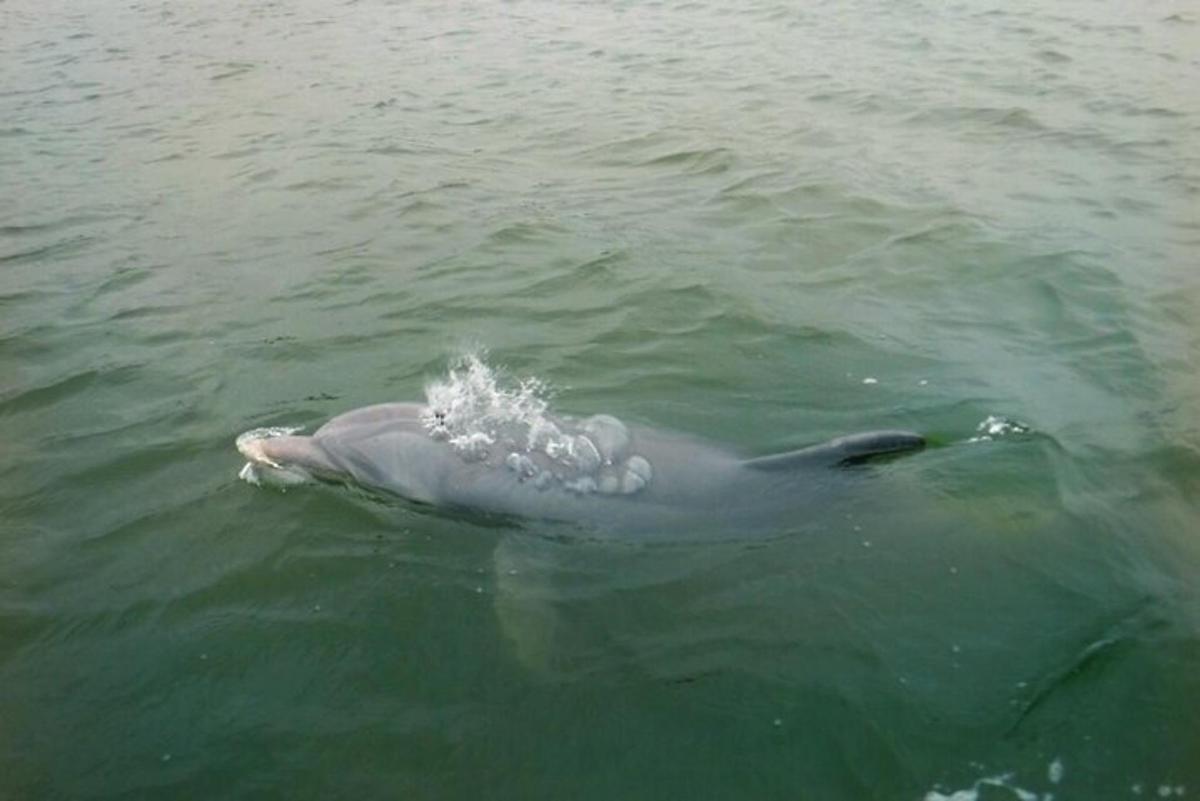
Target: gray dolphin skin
596 471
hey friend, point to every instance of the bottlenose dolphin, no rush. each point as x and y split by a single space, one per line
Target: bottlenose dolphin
597 471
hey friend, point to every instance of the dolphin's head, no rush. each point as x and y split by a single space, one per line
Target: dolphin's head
275 456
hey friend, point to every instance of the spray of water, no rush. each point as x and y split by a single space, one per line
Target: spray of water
996 427
483 419
472 410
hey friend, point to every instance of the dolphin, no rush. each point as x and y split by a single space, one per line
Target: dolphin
596 471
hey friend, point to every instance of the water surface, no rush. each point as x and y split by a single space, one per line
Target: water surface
760 223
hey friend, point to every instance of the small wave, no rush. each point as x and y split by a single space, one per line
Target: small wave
995 427
231 69
1006 117
990 787
1001 786
24 399
697 161
41 252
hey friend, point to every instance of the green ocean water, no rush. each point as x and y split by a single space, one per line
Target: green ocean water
761 223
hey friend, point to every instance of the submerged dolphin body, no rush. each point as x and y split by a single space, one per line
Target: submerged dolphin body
596 471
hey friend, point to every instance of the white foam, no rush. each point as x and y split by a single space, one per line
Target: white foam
262 469
988 786
260 474
995 427
249 474
484 420
470 401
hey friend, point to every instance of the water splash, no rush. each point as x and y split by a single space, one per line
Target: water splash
472 411
989 787
1002 786
486 421
996 427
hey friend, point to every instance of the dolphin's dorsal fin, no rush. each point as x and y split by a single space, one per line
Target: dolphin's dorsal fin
850 449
